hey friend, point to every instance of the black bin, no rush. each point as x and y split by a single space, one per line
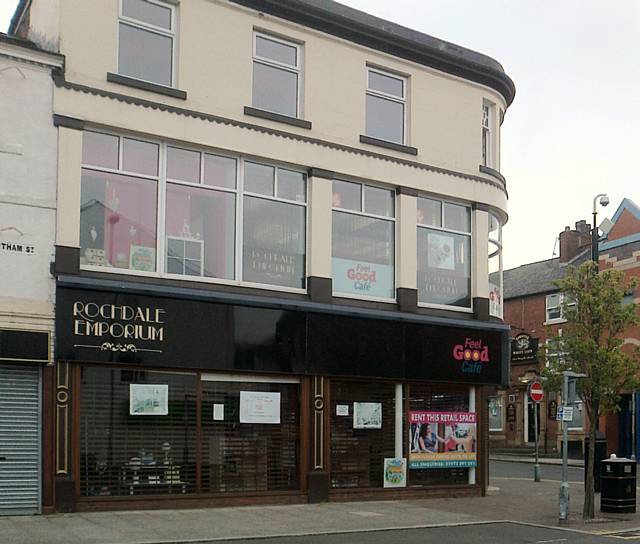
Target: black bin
600 455
618 492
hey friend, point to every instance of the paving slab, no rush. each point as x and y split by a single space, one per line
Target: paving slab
515 500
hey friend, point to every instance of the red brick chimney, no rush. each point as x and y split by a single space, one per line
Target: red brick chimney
574 242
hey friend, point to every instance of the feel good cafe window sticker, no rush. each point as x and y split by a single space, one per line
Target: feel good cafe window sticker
363 240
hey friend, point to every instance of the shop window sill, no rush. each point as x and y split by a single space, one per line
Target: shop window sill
146 86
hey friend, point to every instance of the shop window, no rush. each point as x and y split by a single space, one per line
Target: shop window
495 266
363 241
200 214
495 413
431 398
444 259
386 106
276 75
137 433
119 203
249 457
274 226
358 448
146 33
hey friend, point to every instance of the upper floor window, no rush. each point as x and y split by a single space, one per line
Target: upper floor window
276 75
363 240
118 202
487 134
444 253
200 215
146 36
274 225
495 266
554 306
386 106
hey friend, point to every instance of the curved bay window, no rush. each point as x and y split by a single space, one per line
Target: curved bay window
444 260
363 241
495 266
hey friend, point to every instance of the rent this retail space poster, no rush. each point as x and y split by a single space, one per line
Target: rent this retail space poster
442 440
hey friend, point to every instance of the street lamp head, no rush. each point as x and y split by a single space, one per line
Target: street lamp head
604 200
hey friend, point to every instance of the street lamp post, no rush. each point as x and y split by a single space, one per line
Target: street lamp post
564 486
595 238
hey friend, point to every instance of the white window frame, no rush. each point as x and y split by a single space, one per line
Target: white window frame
136 23
280 66
554 320
162 181
452 231
165 180
373 216
392 98
487 134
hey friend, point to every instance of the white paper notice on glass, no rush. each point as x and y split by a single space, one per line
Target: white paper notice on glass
259 407
342 409
218 412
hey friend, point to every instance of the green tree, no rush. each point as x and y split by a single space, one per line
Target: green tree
591 344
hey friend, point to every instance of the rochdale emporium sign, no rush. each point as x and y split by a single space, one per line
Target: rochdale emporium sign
524 348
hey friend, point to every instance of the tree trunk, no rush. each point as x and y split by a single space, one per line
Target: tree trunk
588 509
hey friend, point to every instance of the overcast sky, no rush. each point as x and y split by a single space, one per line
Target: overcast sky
574 128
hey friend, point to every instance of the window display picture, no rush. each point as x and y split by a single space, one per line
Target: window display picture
367 415
148 400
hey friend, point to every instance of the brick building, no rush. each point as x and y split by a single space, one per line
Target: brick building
621 251
532 306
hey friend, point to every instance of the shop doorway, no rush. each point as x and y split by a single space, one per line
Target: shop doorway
531 408
19 440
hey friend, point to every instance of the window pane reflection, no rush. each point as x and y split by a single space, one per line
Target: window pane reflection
200 227
274 242
118 221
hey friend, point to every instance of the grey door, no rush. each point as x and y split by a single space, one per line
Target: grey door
19 440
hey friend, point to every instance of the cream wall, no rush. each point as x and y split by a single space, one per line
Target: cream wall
445 120
214 67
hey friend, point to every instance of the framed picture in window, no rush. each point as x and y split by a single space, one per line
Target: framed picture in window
148 400
367 415
142 258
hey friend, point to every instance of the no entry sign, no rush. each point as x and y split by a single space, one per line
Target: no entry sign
536 392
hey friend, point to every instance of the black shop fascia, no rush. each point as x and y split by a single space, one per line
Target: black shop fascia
158 327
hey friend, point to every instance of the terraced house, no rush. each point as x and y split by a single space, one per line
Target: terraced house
276 226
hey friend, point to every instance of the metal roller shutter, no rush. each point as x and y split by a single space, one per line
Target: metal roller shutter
19 440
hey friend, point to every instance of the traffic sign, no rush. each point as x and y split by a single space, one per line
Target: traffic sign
536 392
567 413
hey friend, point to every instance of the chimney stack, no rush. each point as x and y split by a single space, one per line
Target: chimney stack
574 242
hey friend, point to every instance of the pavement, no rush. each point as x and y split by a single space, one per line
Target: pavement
516 500
541 460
